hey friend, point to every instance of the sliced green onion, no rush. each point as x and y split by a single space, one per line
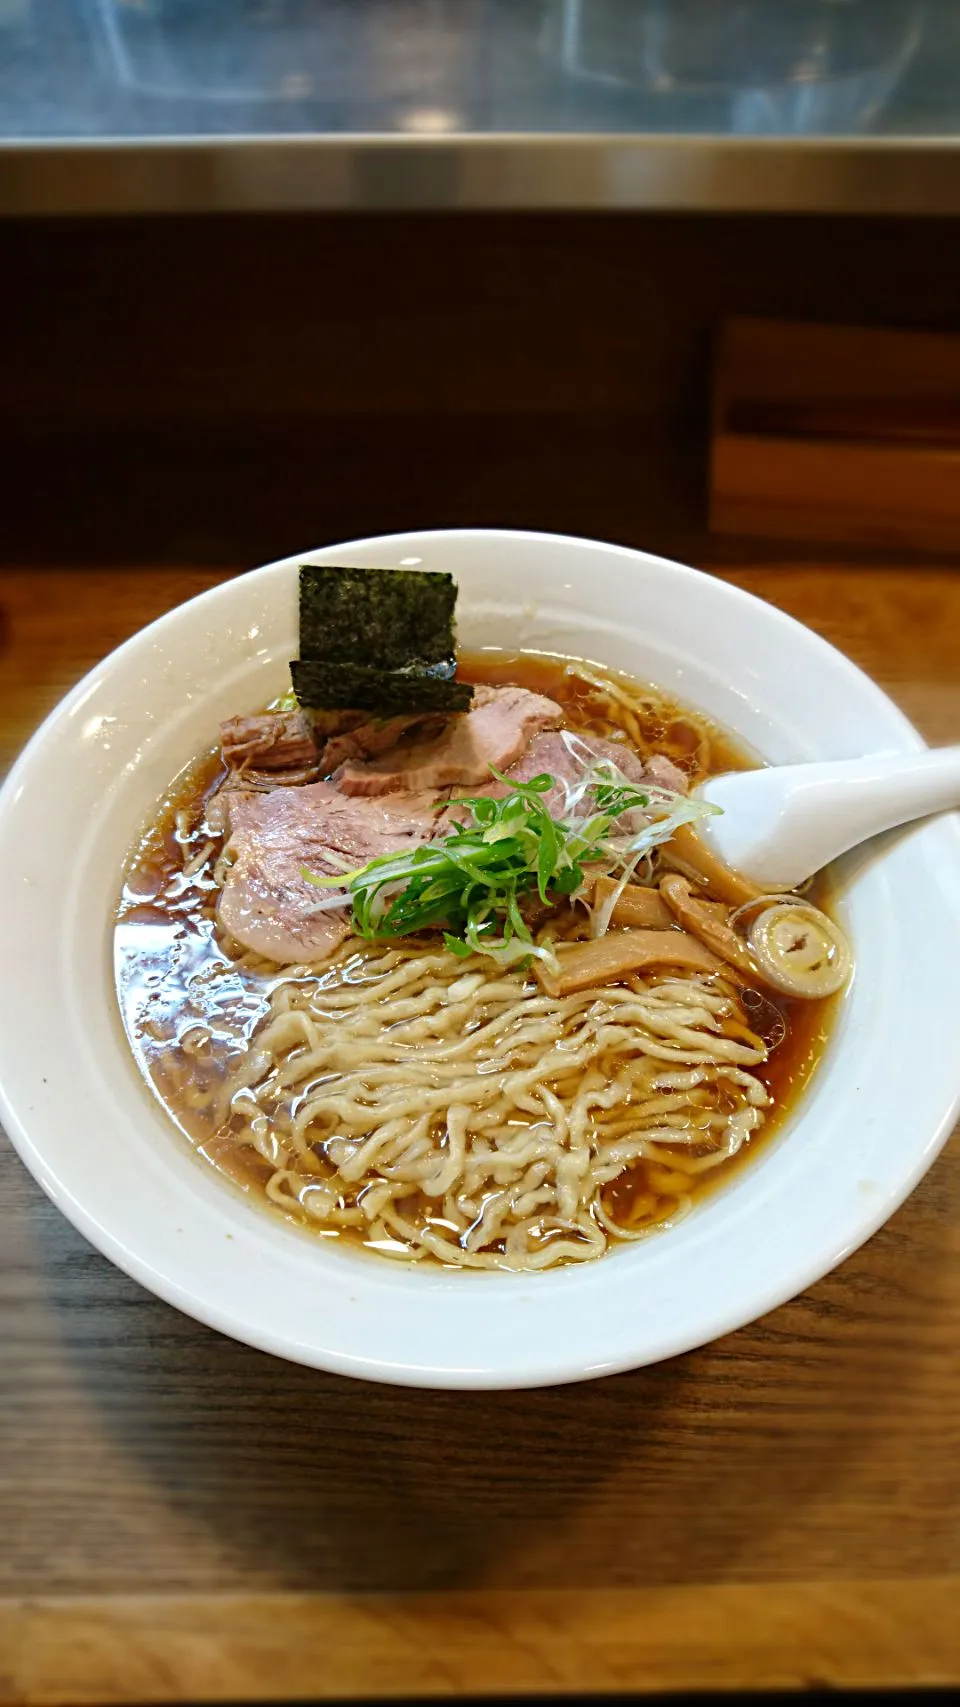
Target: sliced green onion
472 881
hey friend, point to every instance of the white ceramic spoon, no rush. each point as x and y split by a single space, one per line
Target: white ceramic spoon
780 826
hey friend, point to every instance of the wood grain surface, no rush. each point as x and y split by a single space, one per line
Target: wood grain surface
182 1518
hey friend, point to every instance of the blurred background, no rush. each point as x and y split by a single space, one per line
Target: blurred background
745 67
275 271
279 270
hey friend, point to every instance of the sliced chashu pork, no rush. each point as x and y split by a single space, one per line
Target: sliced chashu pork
272 741
278 741
268 906
266 903
376 735
564 755
495 731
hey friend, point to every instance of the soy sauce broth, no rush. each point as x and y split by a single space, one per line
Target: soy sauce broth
173 976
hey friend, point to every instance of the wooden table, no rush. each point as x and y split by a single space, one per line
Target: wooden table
183 1518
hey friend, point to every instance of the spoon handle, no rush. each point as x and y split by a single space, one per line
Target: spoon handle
782 825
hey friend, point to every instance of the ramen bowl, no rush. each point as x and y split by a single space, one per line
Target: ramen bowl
102 1147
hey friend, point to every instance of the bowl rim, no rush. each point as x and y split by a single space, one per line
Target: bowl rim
571 1366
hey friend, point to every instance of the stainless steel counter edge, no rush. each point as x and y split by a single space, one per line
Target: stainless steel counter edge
506 172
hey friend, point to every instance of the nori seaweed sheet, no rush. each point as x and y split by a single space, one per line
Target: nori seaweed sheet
377 640
356 687
388 619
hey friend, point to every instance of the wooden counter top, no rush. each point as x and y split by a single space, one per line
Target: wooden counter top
182 1518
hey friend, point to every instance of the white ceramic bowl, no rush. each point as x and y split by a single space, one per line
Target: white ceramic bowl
100 1145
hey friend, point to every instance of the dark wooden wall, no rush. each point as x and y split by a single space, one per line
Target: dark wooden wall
225 390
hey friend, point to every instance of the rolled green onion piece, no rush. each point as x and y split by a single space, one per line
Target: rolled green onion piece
800 951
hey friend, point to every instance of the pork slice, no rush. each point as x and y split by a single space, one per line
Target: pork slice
564 754
661 772
376 736
266 904
495 731
276 740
